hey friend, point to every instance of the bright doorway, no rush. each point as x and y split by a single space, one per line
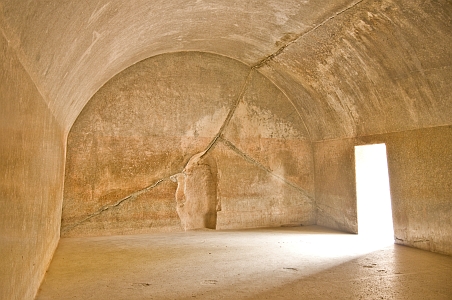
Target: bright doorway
373 195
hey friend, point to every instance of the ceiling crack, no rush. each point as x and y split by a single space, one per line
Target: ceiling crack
272 56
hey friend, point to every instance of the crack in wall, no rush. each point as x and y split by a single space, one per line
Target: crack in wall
272 56
412 242
218 137
130 197
229 116
211 145
251 160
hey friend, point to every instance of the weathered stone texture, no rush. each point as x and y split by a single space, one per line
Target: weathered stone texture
282 74
87 43
31 180
420 174
383 66
151 211
145 125
196 195
267 128
335 189
265 162
251 196
419 165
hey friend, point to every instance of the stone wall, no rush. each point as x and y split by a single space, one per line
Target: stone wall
381 66
144 126
266 166
420 174
31 180
350 68
335 189
420 168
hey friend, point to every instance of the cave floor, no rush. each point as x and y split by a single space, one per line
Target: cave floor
308 262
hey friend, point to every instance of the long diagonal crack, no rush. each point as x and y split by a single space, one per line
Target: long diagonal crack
218 137
251 160
130 197
147 189
272 56
230 115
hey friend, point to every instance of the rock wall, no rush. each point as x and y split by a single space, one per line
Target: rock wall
335 190
420 168
196 195
31 180
145 125
381 66
266 162
351 68
420 175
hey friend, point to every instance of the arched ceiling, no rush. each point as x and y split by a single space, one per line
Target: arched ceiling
351 67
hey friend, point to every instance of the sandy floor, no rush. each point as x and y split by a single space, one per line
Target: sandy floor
281 263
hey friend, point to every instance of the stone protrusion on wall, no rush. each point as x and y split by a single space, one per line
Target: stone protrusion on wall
196 195
195 115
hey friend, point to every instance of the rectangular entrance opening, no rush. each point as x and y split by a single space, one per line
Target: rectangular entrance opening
373 194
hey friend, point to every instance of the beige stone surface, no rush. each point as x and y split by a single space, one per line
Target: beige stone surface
87 43
127 139
419 163
31 180
307 262
335 189
196 195
319 75
380 66
253 196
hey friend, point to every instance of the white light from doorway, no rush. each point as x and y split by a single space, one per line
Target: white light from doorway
373 195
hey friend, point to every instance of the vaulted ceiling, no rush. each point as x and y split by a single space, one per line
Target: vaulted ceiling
350 67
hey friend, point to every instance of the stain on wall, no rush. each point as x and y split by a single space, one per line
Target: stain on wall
351 68
267 154
145 125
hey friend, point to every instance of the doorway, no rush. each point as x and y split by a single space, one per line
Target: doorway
373 194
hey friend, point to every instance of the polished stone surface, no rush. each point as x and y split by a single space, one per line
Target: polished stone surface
308 262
